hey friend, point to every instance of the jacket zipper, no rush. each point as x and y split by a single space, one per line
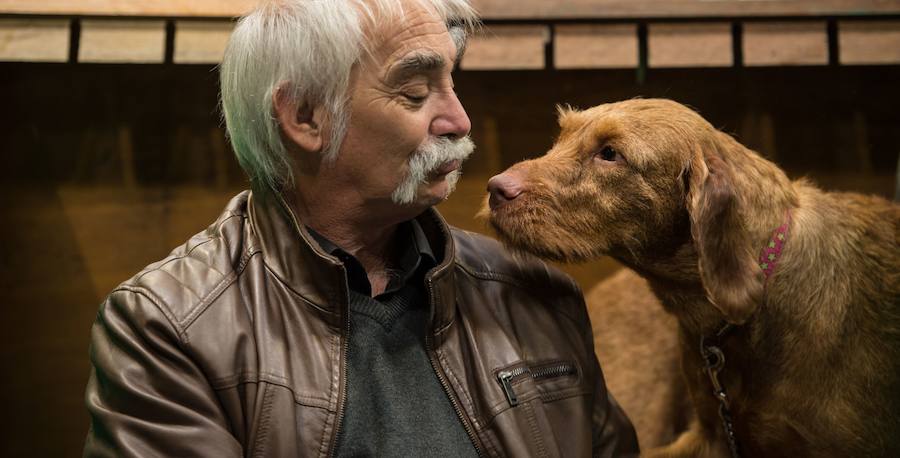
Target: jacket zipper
345 350
506 377
342 399
446 386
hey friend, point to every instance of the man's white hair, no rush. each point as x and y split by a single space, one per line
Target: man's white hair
307 48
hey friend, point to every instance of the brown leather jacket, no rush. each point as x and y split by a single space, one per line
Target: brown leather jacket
235 345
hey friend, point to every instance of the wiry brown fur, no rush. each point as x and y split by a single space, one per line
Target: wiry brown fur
814 367
637 344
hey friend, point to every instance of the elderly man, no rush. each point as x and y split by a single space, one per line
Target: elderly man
331 311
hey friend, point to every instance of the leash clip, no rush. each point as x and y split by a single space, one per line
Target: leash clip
714 363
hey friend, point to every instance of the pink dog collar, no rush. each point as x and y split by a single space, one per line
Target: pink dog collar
770 254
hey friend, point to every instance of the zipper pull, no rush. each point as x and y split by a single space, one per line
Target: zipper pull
505 377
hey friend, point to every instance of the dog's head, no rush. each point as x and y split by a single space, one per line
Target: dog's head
649 182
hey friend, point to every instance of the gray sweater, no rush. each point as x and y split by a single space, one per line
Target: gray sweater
395 403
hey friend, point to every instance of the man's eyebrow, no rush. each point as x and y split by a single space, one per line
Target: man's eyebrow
415 64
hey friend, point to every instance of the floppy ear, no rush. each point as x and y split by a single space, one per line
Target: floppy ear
728 269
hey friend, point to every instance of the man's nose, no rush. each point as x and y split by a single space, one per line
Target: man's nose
452 121
504 188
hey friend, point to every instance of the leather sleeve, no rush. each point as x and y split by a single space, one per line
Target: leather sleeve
614 436
145 396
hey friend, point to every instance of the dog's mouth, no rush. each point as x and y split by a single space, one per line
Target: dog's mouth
508 215
530 224
517 224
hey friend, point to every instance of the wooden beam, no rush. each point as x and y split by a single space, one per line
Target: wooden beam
785 43
618 9
34 40
869 42
490 9
689 45
201 42
508 47
169 8
595 46
122 41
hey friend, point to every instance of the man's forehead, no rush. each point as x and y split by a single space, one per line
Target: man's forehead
418 32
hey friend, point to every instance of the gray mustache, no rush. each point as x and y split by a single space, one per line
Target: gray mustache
427 159
441 150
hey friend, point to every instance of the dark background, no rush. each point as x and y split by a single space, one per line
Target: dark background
106 168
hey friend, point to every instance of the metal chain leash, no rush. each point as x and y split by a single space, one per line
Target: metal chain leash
714 360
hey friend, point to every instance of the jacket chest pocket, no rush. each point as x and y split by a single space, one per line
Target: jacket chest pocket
545 409
543 379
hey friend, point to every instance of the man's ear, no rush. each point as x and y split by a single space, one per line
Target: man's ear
301 122
728 268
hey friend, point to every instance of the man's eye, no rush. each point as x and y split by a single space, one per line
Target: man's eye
413 98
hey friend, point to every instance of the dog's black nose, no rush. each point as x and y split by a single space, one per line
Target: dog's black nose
504 188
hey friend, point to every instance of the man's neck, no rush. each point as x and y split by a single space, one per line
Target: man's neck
366 236
373 248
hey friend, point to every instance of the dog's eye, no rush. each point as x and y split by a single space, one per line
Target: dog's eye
608 154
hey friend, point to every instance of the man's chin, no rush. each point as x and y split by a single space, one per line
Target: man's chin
432 197
439 190
433 191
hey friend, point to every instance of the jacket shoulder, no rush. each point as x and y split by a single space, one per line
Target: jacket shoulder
486 258
194 274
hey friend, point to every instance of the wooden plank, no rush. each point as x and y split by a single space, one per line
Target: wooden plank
201 42
506 48
170 8
490 9
785 43
618 9
34 40
869 42
596 46
122 41
689 45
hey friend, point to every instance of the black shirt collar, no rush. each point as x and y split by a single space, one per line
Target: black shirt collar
417 257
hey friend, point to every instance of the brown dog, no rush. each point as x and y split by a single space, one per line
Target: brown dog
637 344
809 281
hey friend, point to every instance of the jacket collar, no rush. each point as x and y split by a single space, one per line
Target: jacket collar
440 281
292 254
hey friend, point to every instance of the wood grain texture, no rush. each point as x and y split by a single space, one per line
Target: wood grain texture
506 48
596 46
869 42
785 43
186 8
34 40
689 45
534 9
490 9
201 42
122 41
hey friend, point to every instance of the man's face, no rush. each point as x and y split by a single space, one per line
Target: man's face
407 133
